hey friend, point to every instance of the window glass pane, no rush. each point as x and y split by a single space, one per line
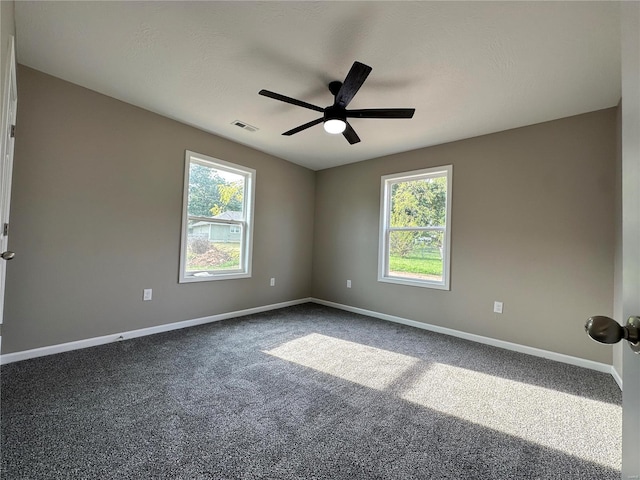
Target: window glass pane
215 193
217 222
419 203
212 246
416 254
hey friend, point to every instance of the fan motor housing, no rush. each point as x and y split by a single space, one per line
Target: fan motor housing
335 112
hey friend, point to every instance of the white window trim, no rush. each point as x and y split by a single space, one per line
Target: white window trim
383 243
247 231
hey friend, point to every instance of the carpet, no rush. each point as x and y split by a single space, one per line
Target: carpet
306 392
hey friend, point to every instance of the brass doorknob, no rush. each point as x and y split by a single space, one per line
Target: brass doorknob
607 330
8 255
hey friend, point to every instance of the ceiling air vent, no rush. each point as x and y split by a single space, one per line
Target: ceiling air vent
245 126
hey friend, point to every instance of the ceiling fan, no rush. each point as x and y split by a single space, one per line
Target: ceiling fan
335 116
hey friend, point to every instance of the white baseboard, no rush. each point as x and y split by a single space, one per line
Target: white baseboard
558 357
92 342
616 376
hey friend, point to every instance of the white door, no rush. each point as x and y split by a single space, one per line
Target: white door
630 56
9 104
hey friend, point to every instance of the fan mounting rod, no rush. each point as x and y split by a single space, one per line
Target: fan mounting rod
334 87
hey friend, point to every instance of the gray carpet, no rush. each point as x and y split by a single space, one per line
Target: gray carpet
306 392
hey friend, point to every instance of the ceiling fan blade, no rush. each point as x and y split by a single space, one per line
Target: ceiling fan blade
292 101
303 127
352 83
351 135
381 113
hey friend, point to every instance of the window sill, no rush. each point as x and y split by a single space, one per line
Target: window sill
415 283
212 277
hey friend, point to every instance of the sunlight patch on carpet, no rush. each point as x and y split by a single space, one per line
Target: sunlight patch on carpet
579 426
367 366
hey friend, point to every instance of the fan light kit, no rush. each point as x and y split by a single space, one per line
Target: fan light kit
335 116
335 126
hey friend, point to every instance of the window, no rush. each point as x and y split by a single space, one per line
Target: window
217 219
415 239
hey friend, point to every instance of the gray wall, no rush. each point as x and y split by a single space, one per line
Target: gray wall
96 218
96 214
532 226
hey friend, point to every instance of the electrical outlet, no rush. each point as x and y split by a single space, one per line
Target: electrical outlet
272 282
348 283
497 307
147 294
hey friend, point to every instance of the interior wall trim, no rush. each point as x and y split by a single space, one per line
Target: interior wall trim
116 337
616 376
537 352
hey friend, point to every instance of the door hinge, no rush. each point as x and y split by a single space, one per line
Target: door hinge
13 131
5 229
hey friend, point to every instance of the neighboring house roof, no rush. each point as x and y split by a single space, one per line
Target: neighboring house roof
228 215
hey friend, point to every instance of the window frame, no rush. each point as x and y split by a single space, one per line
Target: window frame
387 181
245 225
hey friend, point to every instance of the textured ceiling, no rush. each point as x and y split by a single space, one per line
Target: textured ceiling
469 68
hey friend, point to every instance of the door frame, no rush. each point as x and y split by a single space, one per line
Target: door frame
630 76
9 107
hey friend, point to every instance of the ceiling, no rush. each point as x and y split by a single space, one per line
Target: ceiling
468 68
